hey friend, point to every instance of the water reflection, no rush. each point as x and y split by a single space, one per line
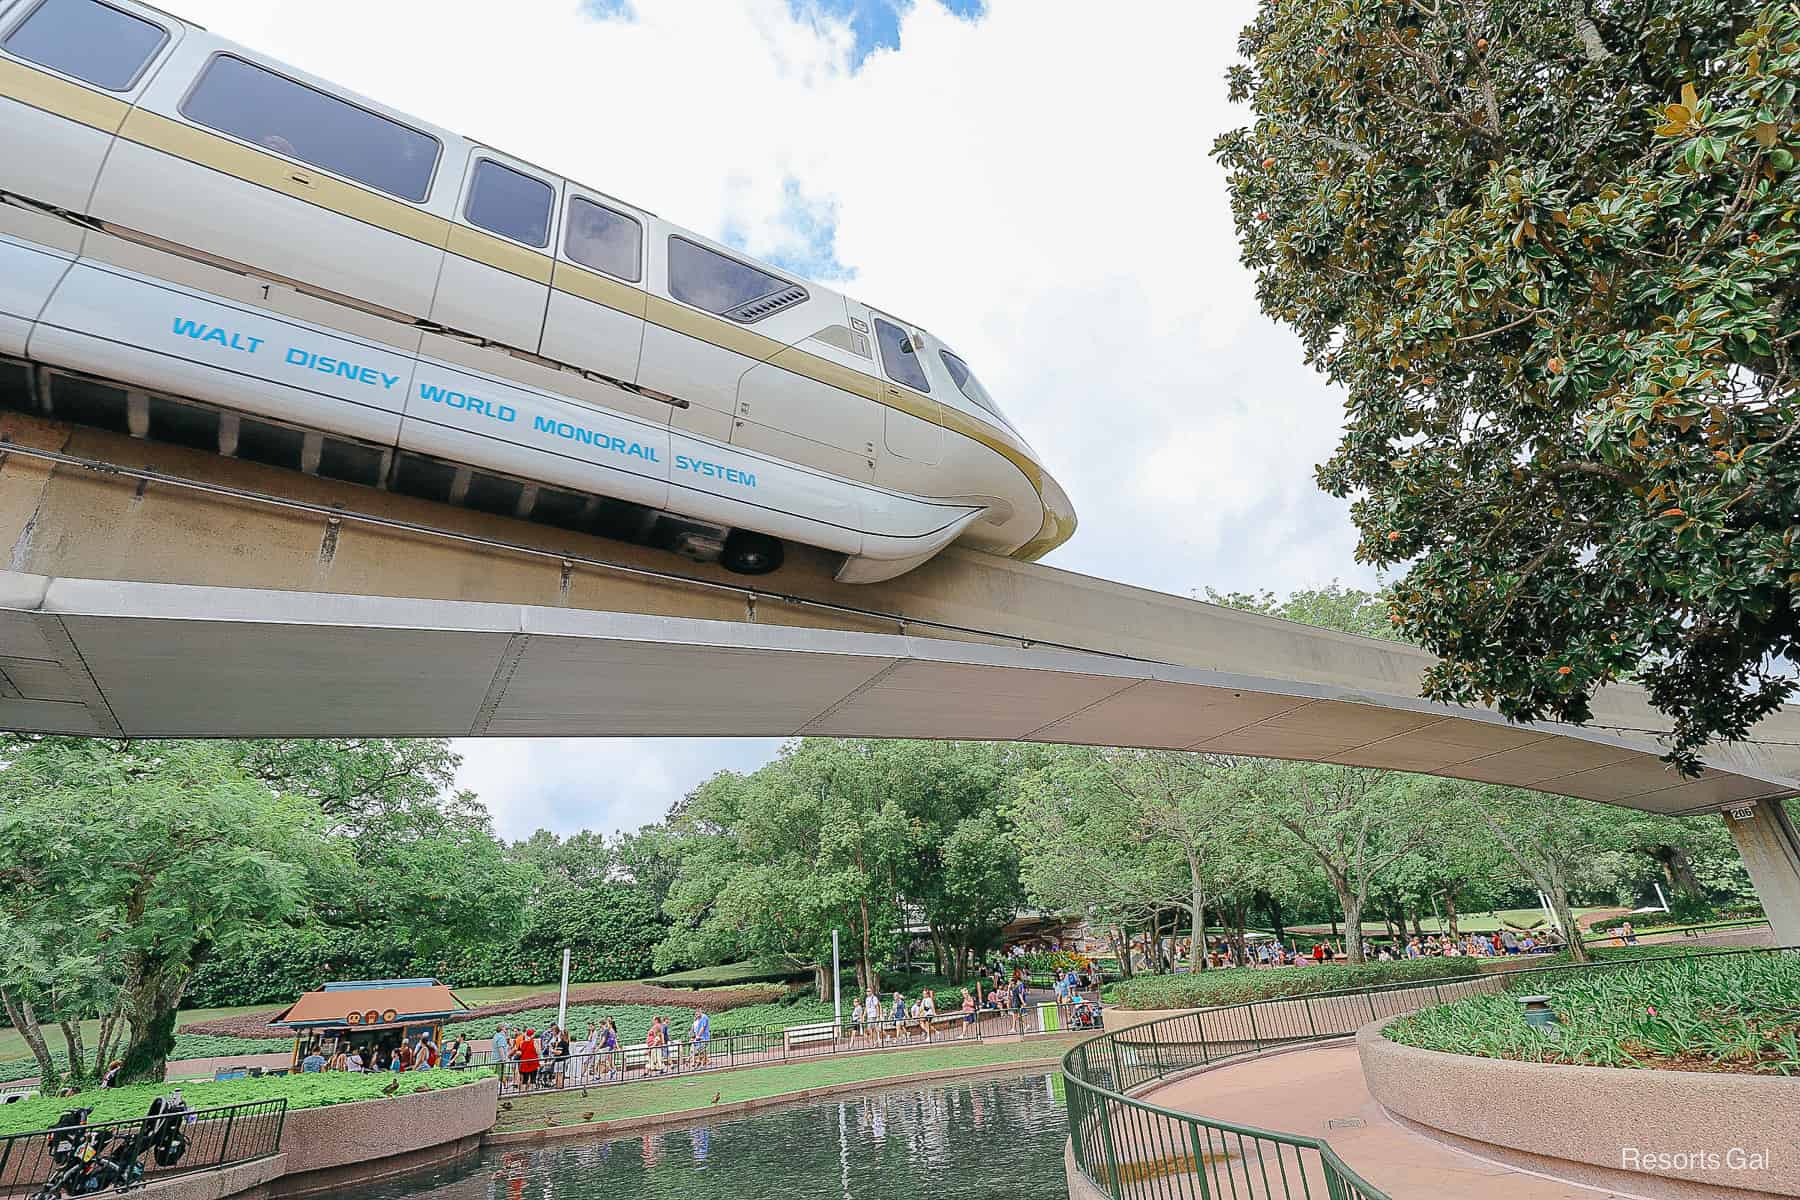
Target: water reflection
989 1139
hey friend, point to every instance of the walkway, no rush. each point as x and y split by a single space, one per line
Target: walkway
1307 1091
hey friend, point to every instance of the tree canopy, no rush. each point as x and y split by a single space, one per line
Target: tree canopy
1548 249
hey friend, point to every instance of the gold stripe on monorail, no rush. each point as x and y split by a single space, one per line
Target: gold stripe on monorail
60 97
254 165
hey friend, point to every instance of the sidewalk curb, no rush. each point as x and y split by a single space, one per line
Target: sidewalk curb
736 1107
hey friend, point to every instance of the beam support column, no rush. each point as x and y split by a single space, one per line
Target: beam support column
1771 851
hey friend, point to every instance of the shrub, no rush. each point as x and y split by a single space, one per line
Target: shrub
1731 1012
1681 914
1236 985
302 1091
1044 962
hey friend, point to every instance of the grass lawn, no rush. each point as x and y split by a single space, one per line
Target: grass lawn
697 1091
301 1091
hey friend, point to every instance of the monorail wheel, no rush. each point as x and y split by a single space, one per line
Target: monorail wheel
748 553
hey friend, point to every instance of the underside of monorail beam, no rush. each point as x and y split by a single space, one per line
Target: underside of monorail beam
78 502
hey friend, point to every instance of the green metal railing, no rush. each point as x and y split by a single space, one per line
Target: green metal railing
1134 1150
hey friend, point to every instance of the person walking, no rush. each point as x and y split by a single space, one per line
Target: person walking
872 1013
609 1047
701 1035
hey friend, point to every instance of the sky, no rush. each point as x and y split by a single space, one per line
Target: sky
1029 179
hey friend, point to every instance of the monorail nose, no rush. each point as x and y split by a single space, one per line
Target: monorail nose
1059 522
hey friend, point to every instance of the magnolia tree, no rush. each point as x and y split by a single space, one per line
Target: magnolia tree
1548 250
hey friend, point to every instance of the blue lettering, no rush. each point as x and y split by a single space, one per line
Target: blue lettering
713 470
388 381
298 357
199 331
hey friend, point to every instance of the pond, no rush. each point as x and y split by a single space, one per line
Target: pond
982 1139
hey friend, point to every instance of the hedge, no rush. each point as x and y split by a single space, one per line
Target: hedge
277 966
1657 920
315 1090
1237 985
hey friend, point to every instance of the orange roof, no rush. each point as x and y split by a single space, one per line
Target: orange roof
333 1006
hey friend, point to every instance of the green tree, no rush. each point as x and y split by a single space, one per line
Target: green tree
1548 249
163 851
1560 843
1357 824
1334 606
357 782
1177 816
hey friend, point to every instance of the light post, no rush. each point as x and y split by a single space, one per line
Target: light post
837 987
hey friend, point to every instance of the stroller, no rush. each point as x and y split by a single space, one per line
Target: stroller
1086 1016
83 1162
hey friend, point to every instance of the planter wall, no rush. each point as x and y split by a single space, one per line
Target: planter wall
327 1148
1676 1134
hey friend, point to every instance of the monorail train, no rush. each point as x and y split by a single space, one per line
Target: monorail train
217 247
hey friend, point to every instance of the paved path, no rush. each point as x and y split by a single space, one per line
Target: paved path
1301 1091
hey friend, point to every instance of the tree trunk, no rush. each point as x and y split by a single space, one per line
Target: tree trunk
77 1053
1120 936
24 1019
1677 869
1197 948
868 962
1450 911
1352 905
1565 917
1418 931
1274 910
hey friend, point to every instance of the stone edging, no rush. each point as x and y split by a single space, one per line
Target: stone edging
1597 1126
736 1107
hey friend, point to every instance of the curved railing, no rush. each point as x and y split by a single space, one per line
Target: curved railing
1130 1149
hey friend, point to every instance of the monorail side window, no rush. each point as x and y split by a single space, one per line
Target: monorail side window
88 40
900 356
510 203
707 279
604 240
276 113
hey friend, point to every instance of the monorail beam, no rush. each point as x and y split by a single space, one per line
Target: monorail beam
324 536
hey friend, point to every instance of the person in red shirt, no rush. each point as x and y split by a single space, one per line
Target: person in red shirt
526 1050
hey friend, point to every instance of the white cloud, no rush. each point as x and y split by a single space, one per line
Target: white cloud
1034 187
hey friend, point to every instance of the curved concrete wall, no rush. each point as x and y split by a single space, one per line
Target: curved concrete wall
1676 1134
327 1148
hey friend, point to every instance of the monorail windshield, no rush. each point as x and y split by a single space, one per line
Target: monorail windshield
968 385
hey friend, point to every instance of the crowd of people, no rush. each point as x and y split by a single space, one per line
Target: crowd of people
1475 945
549 1058
418 1052
1277 952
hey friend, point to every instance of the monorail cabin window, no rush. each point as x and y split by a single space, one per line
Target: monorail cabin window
965 381
510 203
710 280
899 356
88 40
604 240
276 113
